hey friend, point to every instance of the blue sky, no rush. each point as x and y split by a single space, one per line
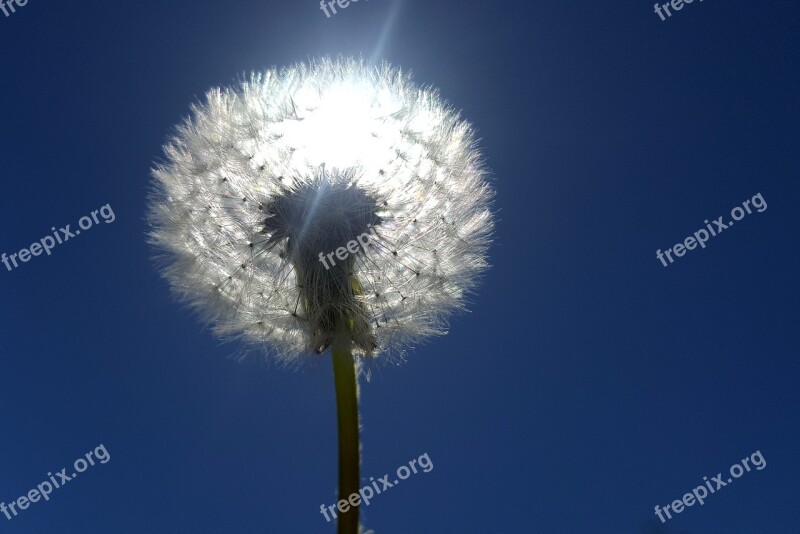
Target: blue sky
588 383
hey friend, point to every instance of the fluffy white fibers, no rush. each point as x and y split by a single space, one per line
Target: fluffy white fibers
266 180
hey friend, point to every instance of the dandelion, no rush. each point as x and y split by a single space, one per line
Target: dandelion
266 188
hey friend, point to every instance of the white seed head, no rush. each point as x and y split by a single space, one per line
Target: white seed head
265 183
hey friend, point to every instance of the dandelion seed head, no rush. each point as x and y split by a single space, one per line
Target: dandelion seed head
266 178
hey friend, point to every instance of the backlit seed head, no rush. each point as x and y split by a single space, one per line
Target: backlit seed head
268 185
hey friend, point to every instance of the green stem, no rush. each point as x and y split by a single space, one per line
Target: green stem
344 374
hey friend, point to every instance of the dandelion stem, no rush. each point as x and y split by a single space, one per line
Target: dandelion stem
344 374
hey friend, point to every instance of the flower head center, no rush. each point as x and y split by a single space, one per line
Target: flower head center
317 219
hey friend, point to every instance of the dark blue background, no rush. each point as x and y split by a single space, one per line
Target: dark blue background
588 384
